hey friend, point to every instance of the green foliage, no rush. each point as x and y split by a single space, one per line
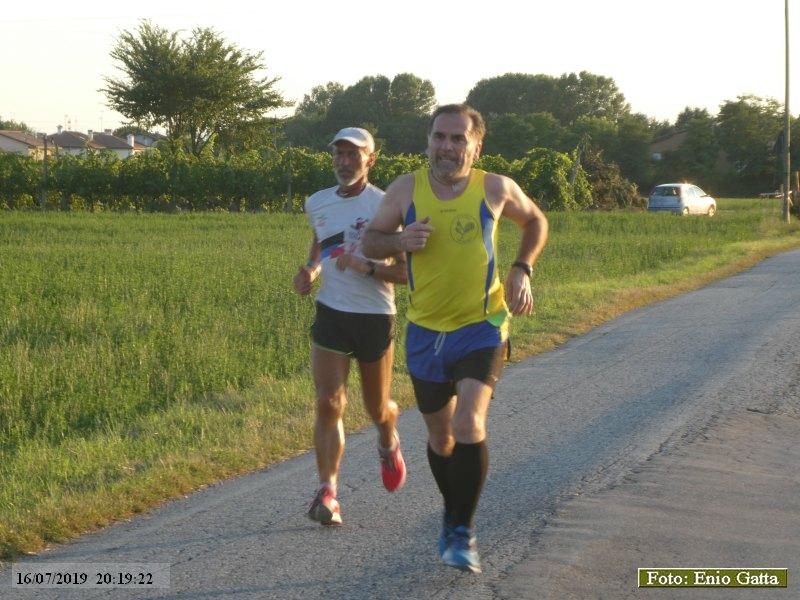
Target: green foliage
632 149
144 178
19 176
515 93
610 190
388 168
318 101
545 175
196 88
92 176
587 94
747 130
512 135
12 125
495 163
395 111
696 158
567 98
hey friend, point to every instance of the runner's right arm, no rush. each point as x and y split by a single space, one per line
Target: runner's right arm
381 239
308 272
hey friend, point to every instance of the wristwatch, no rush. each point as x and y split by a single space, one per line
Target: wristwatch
371 271
524 266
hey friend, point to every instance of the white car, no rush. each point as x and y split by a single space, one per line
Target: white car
681 199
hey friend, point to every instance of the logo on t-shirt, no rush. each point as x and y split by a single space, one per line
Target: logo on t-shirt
464 228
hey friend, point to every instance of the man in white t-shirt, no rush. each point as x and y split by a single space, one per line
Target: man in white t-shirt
355 318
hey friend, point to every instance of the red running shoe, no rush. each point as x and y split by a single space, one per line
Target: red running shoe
325 507
393 467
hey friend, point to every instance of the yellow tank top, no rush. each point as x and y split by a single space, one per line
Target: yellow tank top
453 281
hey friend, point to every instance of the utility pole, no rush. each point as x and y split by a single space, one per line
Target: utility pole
289 180
787 181
43 194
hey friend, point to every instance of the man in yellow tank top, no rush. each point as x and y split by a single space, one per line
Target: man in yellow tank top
459 309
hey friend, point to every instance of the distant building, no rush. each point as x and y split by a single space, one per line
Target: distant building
672 141
22 142
75 142
667 143
149 139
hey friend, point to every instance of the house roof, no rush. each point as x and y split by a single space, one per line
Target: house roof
100 141
24 137
669 142
111 142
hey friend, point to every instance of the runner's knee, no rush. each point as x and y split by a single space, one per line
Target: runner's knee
331 406
469 427
381 411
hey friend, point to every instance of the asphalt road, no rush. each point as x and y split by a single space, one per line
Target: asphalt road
572 422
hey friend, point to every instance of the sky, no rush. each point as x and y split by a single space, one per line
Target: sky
663 56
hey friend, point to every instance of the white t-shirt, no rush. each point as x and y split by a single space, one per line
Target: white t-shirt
339 224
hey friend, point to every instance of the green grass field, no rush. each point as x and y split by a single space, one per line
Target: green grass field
144 355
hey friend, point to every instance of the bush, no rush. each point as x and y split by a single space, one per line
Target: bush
159 180
610 189
544 175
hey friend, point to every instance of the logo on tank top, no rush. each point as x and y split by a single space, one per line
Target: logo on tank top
464 229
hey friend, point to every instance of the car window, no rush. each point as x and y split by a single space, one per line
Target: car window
665 190
698 191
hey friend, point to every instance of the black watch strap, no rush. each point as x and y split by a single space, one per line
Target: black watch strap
524 266
371 271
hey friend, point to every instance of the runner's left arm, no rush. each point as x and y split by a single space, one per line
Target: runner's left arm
518 207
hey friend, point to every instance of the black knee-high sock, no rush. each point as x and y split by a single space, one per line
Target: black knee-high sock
466 474
439 467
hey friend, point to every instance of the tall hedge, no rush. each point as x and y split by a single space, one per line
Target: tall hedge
155 180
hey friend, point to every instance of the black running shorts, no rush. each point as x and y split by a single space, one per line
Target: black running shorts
364 336
484 364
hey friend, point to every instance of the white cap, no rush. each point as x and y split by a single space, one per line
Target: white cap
356 136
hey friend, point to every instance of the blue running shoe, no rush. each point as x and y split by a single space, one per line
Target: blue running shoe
447 532
462 551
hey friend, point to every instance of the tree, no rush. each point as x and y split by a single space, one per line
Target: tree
696 158
12 125
747 129
410 96
513 135
568 98
318 101
195 88
515 93
366 101
691 114
395 111
632 149
587 94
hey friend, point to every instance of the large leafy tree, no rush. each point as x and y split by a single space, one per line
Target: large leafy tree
587 94
410 95
196 88
512 135
395 110
697 158
747 129
515 93
318 101
366 101
568 97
